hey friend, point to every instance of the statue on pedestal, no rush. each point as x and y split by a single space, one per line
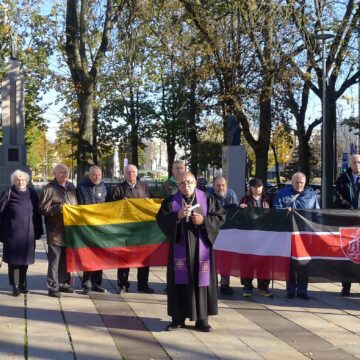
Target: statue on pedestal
233 131
13 44
10 35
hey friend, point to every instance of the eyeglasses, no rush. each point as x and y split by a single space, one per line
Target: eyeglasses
184 183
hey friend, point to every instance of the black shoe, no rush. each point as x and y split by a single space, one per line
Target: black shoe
86 290
16 291
345 292
122 290
23 289
226 289
303 296
66 289
98 288
146 290
54 294
175 325
203 326
290 295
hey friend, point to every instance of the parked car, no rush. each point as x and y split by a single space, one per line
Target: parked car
146 178
274 189
201 183
317 189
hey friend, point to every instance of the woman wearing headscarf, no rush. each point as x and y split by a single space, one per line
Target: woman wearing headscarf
20 226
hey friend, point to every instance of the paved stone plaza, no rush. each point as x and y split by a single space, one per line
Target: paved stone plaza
108 326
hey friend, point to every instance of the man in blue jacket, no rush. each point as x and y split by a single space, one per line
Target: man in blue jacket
296 196
92 191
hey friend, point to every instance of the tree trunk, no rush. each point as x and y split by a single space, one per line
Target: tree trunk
262 145
95 136
277 168
304 156
85 135
171 153
192 131
84 74
134 140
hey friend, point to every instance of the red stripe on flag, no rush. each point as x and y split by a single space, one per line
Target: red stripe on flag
313 244
252 266
91 259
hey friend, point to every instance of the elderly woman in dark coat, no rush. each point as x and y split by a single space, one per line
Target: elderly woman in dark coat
20 226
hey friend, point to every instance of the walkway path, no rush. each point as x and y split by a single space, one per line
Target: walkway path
109 326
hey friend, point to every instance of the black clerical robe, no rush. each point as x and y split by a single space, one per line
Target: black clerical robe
190 300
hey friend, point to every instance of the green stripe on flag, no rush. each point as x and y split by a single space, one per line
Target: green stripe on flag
114 235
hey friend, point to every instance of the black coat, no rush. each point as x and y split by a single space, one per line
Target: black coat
20 226
191 301
347 195
89 193
124 190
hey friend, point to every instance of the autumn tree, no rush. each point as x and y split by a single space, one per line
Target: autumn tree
89 27
245 39
34 47
282 145
341 18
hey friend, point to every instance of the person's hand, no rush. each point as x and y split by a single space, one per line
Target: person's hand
185 211
289 209
243 206
197 219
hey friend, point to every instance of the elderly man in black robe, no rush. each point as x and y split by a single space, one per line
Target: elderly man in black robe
191 219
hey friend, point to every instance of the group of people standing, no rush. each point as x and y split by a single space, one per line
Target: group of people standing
21 225
91 191
189 217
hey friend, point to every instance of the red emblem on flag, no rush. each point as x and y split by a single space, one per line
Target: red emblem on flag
350 243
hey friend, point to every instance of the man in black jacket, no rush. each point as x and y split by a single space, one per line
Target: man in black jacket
128 189
92 191
348 197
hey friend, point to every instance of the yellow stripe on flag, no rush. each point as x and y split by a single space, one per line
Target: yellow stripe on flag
115 212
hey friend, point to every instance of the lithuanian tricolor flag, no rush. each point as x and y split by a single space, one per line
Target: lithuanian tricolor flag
117 234
324 244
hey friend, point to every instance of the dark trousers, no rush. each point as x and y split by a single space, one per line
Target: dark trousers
17 274
298 279
91 278
346 285
57 275
142 277
262 284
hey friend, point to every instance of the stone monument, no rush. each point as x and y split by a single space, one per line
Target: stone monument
12 149
234 157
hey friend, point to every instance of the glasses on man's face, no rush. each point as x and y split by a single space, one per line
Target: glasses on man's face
186 183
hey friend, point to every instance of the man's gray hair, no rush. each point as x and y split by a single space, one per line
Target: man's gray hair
17 173
60 166
178 162
126 167
352 157
94 167
298 174
220 177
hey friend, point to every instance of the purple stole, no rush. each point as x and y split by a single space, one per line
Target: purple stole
180 261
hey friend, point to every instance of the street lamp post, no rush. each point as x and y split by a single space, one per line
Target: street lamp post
327 136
